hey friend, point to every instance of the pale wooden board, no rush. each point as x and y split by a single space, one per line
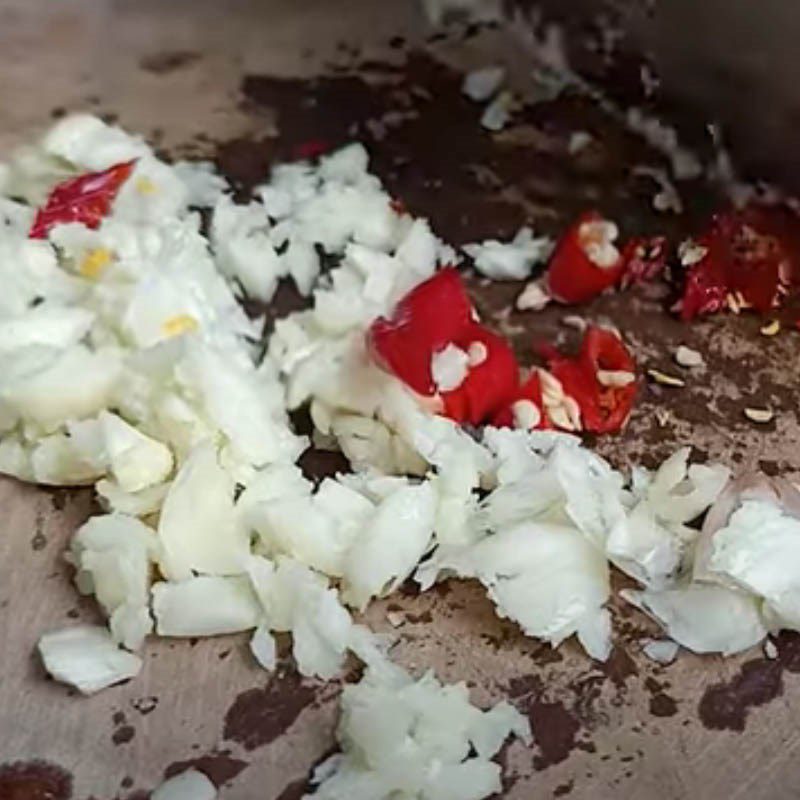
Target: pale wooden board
60 55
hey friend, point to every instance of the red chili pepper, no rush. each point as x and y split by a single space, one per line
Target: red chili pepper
751 255
86 199
431 316
488 386
706 288
530 390
313 148
643 258
604 408
438 313
574 274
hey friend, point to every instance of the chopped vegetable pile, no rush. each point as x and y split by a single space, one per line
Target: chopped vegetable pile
127 363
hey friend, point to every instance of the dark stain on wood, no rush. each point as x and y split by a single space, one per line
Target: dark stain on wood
725 706
219 766
34 780
259 716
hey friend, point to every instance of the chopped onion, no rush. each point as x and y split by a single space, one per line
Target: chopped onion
112 555
207 605
137 462
198 528
663 651
86 657
704 618
512 260
401 737
188 785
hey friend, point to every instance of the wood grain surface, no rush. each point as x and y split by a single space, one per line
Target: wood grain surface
708 727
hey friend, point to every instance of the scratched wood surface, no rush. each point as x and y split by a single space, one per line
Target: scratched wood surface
720 729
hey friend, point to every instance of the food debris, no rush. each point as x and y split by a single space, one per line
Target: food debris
512 260
770 649
395 618
667 198
662 651
663 417
533 297
736 302
527 415
771 328
579 140
481 84
687 357
498 113
649 79
616 378
575 322
759 415
691 252
684 163
664 379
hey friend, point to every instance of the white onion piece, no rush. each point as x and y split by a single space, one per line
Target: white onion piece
207 605
189 785
704 618
86 657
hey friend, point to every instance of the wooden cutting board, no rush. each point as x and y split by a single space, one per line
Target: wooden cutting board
720 729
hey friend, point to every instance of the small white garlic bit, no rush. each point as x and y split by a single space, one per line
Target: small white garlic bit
575 322
664 379
597 239
759 415
690 252
687 357
771 328
526 414
533 297
476 354
615 378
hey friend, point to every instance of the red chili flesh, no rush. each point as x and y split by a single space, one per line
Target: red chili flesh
434 314
572 276
438 313
604 409
643 258
431 316
751 255
85 199
488 386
